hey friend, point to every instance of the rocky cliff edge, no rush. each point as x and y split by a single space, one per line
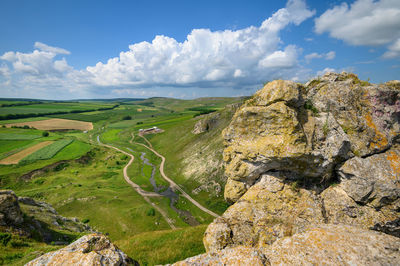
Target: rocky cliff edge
310 165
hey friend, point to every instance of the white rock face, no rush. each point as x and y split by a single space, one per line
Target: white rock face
94 249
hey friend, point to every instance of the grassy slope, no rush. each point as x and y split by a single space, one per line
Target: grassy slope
190 156
164 247
98 192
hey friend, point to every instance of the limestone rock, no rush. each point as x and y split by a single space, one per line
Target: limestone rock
309 130
10 212
231 256
374 180
269 210
368 113
234 190
335 245
321 245
206 123
341 209
94 249
44 213
29 217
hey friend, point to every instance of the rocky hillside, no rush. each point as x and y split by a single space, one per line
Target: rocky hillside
35 219
310 164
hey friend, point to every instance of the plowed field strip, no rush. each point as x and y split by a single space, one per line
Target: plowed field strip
15 158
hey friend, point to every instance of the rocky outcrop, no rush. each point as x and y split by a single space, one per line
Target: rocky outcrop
29 217
94 249
321 245
372 181
206 123
10 212
269 210
323 155
335 245
309 130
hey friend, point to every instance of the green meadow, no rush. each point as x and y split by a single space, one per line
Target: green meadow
94 190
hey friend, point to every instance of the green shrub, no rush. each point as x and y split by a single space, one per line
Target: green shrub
151 212
127 117
18 243
309 106
85 221
5 238
38 181
45 134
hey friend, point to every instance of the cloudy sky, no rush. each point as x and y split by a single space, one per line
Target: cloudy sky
187 49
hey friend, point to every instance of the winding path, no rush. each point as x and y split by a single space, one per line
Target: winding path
170 181
135 186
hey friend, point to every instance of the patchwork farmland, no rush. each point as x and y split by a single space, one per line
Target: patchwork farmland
16 158
56 158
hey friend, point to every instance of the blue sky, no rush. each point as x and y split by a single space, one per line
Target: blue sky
186 49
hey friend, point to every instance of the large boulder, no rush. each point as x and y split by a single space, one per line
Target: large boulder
373 181
271 209
309 130
10 211
321 245
94 249
335 245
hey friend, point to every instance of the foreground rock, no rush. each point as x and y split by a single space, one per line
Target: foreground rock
28 217
304 161
10 212
335 245
269 210
322 245
231 256
94 249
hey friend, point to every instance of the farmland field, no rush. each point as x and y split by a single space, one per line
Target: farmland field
90 185
5 136
47 152
8 147
51 107
16 158
56 124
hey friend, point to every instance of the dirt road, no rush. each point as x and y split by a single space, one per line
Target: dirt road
135 186
171 182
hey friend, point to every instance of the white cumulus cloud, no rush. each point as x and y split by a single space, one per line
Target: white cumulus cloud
364 22
207 57
206 60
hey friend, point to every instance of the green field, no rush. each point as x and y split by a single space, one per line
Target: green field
94 189
11 136
48 151
50 107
